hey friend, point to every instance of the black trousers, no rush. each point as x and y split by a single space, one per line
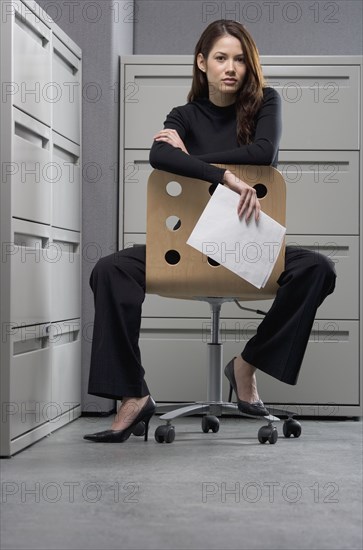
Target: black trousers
118 284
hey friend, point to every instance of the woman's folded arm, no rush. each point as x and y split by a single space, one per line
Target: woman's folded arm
164 156
171 159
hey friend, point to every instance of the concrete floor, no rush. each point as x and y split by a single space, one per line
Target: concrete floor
203 491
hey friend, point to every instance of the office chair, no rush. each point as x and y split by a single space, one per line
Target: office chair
176 270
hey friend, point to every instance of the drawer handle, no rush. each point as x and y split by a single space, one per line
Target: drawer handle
30 135
64 332
66 246
31 30
30 241
62 154
31 344
68 65
331 249
329 333
66 338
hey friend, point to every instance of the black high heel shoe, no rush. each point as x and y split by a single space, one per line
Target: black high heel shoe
118 436
257 408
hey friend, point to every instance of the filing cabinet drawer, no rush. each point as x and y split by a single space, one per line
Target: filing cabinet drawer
317 100
136 174
30 256
33 87
319 105
66 366
175 358
329 373
66 184
149 94
65 275
175 354
31 169
67 78
344 253
30 379
322 192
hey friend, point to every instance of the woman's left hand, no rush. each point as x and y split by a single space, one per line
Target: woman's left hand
172 137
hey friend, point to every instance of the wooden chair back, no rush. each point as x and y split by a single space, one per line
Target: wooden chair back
175 269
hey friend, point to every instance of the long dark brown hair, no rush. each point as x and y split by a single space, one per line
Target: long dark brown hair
250 96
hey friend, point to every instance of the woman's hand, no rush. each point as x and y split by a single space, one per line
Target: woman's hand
248 202
172 137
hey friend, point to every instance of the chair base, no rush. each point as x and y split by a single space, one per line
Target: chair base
210 422
216 408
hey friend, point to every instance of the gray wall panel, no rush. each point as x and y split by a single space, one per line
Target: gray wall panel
291 27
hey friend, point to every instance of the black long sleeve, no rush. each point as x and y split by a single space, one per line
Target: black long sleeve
166 157
209 134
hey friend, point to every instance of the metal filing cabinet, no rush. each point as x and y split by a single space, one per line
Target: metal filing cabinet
320 158
40 226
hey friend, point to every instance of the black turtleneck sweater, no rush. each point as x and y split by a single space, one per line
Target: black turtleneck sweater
210 136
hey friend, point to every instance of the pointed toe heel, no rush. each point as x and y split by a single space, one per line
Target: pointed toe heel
257 408
140 425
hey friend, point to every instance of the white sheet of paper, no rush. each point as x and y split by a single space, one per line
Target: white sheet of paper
249 249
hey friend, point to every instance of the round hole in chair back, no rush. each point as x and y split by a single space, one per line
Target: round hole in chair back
173 223
172 257
261 190
173 188
212 262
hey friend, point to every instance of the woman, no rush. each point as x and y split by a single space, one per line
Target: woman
231 118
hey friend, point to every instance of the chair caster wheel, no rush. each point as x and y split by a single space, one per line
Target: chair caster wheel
165 434
267 433
291 427
210 422
139 429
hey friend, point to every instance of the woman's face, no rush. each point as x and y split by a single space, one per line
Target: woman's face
225 69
